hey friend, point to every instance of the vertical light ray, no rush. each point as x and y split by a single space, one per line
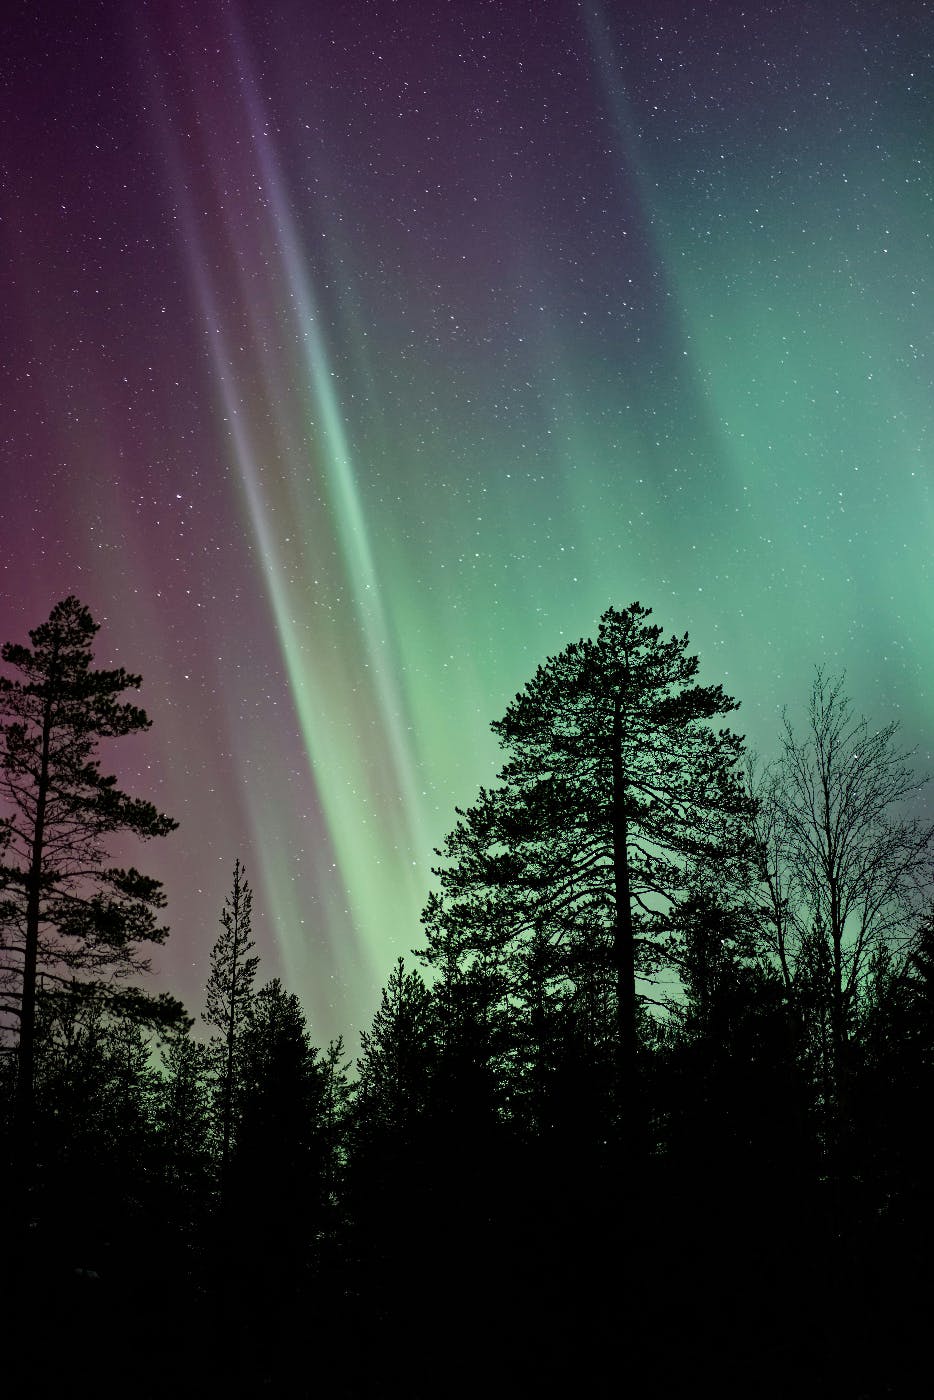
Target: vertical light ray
341 670
401 806
353 531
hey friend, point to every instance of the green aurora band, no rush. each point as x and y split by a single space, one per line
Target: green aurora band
473 331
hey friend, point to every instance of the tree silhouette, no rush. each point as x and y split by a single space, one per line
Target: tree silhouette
398 1056
771 1084
69 920
228 1000
183 1122
847 873
282 1086
894 1075
94 1087
388 1117
615 792
280 1159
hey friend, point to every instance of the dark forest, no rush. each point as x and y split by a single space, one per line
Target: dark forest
645 1111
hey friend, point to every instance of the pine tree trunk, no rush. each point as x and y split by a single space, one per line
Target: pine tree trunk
26 1059
228 1092
623 944
231 1038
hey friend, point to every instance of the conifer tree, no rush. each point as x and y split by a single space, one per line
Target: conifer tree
281 1153
336 1097
182 1114
93 1125
282 1084
397 1056
616 791
229 997
69 921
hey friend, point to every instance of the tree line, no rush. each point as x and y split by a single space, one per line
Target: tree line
651 1110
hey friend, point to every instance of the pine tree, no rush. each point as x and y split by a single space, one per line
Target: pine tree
616 792
281 1156
68 919
398 1053
336 1097
282 1086
228 1000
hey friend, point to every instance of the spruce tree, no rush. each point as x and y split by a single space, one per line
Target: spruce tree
398 1054
281 1157
228 1000
281 1091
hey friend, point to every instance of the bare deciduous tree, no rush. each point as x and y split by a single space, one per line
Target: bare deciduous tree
846 869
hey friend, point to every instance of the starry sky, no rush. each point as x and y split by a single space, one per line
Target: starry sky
355 357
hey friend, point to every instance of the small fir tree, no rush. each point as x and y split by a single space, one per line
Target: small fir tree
228 1000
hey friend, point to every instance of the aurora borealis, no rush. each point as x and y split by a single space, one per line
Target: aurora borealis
357 356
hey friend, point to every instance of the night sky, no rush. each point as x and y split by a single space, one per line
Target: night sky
356 356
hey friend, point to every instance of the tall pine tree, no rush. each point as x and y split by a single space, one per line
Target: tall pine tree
70 920
616 792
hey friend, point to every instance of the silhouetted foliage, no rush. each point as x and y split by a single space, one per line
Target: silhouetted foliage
183 1124
471 1191
66 913
565 880
398 1058
279 1157
847 875
228 1005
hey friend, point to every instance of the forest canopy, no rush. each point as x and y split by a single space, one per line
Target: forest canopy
665 1066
